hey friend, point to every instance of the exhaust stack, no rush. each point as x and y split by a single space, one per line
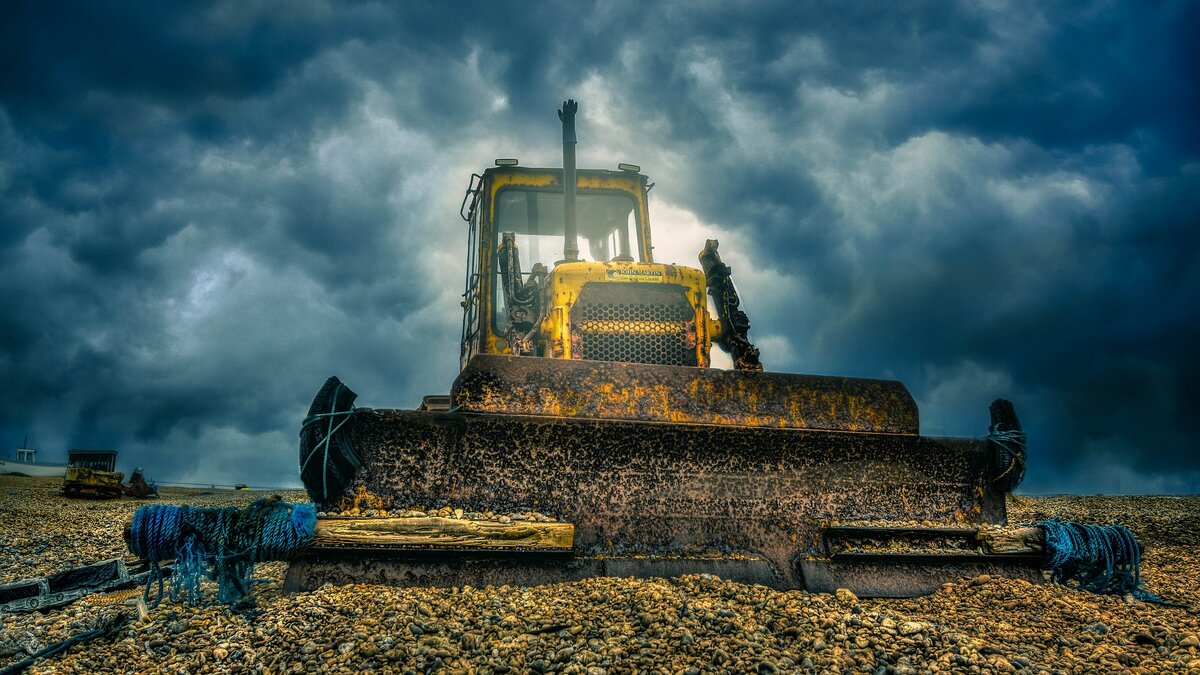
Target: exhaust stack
570 238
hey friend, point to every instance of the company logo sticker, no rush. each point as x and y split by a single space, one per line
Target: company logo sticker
633 275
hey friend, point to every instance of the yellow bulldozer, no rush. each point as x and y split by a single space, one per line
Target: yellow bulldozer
586 433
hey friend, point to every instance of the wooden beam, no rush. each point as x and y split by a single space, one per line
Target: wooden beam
442 534
1000 540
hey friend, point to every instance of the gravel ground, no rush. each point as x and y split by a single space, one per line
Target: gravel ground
690 624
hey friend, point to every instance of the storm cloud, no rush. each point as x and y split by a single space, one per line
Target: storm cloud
208 208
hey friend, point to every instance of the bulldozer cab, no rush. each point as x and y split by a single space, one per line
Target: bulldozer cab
608 223
559 265
613 233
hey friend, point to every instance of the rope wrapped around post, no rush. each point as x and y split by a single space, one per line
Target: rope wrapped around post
223 544
1009 440
324 434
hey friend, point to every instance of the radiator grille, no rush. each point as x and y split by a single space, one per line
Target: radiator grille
634 323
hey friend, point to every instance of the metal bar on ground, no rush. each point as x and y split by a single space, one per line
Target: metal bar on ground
850 531
937 558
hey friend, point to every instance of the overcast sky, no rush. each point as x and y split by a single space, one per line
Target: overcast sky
208 208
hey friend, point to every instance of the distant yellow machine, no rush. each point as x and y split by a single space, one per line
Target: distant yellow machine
92 474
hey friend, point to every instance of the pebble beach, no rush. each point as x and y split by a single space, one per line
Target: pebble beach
689 624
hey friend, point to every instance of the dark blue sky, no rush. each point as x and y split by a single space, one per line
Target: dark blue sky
207 208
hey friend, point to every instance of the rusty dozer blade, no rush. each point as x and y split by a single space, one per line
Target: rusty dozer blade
652 463
637 391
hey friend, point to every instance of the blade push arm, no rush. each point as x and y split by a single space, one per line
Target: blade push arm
734 322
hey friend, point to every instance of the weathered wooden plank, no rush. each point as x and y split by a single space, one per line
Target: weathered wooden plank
442 534
1006 540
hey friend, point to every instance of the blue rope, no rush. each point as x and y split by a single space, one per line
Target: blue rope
223 544
1011 443
1097 558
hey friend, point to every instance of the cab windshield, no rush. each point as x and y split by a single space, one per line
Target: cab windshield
606 223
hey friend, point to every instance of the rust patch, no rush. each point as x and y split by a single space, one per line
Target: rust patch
612 390
360 500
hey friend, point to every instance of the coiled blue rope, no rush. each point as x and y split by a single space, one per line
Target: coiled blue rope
1097 558
221 543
